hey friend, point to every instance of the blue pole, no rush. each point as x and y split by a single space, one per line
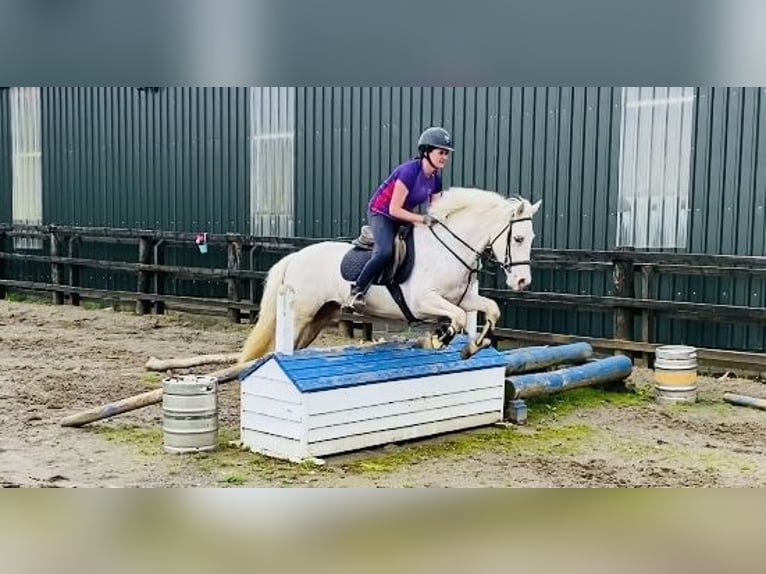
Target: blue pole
535 358
535 384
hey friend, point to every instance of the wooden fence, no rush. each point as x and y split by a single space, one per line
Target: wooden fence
634 275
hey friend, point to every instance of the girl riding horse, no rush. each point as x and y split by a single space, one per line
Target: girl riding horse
409 185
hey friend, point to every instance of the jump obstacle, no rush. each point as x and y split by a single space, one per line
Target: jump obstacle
309 403
299 404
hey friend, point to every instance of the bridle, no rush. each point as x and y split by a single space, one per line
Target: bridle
507 264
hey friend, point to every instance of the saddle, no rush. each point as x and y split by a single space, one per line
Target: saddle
366 242
395 273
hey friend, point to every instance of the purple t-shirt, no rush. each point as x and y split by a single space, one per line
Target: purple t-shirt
420 187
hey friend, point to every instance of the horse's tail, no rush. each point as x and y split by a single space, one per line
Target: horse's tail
262 335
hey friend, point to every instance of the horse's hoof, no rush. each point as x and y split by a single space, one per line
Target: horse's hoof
485 343
468 351
474 347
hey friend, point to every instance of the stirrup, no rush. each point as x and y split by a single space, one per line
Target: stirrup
356 302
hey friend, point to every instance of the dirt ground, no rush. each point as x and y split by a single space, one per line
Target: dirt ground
59 360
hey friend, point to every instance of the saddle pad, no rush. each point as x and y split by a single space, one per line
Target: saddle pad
355 259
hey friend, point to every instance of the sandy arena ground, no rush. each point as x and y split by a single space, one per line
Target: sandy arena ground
58 360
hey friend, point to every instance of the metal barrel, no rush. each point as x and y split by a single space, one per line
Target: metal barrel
190 414
675 374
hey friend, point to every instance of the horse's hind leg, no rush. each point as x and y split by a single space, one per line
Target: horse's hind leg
327 314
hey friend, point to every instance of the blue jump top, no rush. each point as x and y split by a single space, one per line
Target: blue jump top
313 370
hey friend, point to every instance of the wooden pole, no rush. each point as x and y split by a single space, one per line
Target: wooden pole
647 316
159 277
56 271
2 264
139 401
623 287
74 270
346 328
155 364
234 260
143 306
745 401
609 369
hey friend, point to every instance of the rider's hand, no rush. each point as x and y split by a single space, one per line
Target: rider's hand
429 220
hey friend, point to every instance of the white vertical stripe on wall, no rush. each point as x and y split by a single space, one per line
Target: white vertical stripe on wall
272 160
26 161
655 155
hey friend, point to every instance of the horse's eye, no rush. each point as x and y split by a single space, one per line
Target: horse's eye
518 238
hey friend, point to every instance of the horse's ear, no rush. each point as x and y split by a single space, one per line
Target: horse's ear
536 206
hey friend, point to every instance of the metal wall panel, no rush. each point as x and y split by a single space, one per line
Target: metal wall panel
180 159
555 144
550 143
728 210
6 177
173 159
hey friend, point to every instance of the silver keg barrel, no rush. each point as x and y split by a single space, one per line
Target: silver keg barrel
190 414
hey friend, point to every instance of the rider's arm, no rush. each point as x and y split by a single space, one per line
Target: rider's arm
396 208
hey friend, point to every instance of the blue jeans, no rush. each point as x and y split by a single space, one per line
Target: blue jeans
384 231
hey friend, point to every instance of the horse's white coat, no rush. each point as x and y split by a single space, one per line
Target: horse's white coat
438 279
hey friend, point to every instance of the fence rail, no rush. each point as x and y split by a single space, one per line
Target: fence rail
634 275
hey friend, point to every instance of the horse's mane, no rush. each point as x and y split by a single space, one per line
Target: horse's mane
480 202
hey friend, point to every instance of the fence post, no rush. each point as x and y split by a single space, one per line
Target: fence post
56 268
252 284
2 264
159 277
143 306
648 291
623 287
73 250
234 252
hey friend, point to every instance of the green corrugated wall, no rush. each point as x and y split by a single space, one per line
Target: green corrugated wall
175 159
728 212
178 159
556 144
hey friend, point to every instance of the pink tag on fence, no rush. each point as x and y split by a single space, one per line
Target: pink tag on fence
201 241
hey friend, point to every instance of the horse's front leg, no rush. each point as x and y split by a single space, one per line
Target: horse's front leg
434 305
475 302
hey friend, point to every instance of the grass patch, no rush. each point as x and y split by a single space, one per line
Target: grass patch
562 404
555 440
235 466
235 479
228 465
151 379
93 305
147 441
25 297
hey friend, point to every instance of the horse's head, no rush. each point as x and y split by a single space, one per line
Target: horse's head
511 242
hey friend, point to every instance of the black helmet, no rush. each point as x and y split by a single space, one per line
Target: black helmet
435 137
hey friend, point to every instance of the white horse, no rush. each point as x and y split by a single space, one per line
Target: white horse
447 257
